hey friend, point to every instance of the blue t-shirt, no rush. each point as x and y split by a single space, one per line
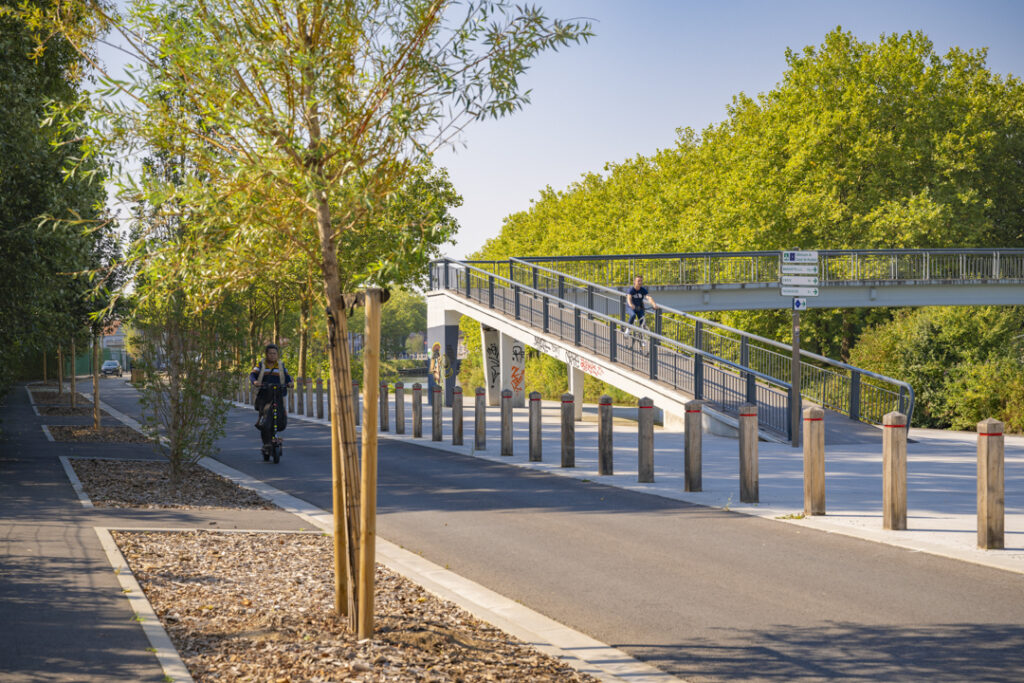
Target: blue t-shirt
636 297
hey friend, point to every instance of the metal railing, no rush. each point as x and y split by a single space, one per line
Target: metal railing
836 267
857 393
721 382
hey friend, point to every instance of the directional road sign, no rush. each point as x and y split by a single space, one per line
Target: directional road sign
799 291
800 280
799 257
799 269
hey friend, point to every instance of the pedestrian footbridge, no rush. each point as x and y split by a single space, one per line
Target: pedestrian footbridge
567 308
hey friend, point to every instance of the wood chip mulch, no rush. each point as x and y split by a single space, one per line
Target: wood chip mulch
260 607
86 434
147 484
53 398
68 411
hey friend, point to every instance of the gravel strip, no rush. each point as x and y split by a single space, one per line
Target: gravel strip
260 607
147 484
86 434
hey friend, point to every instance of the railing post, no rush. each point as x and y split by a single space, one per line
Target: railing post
533 269
436 405
814 461
535 427
855 395
657 321
568 431
417 410
445 266
692 446
457 416
652 353
319 398
698 335
899 403
490 291
399 408
748 454
480 420
544 316
645 441
561 287
991 490
383 409
604 435
506 422
590 297
469 288
612 341
577 332
894 471
515 298
698 376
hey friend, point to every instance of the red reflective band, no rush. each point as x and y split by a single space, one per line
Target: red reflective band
608 404
990 434
889 426
604 404
566 401
813 419
534 399
748 414
693 411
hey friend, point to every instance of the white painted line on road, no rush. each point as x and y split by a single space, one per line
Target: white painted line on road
166 654
547 635
76 483
46 431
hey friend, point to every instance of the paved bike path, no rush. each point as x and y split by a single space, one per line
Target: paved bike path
703 593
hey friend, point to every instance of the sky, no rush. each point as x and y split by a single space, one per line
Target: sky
656 66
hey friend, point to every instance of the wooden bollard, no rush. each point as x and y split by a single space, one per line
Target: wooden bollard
604 435
456 416
355 399
328 400
417 410
748 454
568 431
894 471
300 392
506 422
436 404
990 484
645 441
692 445
399 408
535 427
814 461
291 403
383 409
480 420
309 397
319 398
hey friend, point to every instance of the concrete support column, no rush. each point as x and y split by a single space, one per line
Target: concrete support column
513 369
443 342
576 389
490 343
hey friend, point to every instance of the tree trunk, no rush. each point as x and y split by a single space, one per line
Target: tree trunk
303 335
44 368
341 415
277 321
74 384
60 371
96 382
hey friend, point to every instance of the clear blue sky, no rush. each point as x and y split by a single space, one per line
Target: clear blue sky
655 66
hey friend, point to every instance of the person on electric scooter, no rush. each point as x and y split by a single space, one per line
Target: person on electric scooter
267 373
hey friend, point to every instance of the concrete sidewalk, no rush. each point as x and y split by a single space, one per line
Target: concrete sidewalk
941 477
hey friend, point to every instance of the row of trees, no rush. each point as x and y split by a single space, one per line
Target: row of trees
881 144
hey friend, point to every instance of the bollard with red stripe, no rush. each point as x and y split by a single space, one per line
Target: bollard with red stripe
645 441
604 435
480 420
535 427
991 491
568 431
456 415
506 422
814 461
417 410
693 446
437 403
894 471
749 483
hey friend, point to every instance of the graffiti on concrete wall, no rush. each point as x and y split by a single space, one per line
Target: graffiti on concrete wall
493 364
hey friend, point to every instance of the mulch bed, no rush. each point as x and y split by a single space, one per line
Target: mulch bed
68 411
86 434
147 484
260 607
53 398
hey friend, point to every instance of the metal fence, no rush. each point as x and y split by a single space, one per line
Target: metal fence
721 382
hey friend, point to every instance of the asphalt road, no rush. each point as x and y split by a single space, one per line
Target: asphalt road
702 593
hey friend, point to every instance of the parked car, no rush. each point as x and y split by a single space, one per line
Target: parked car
111 367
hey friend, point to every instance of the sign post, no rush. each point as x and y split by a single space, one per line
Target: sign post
798 279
